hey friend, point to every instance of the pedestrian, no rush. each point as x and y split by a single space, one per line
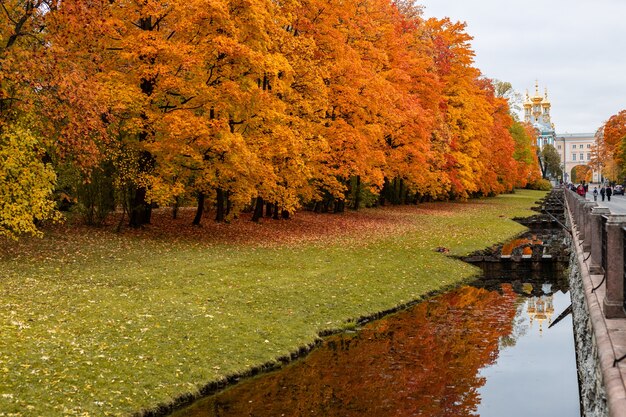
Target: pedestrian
602 192
595 193
580 190
609 192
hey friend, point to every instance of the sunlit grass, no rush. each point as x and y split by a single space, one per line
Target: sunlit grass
116 324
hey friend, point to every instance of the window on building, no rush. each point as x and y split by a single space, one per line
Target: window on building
573 157
574 146
589 146
559 146
581 146
582 157
588 156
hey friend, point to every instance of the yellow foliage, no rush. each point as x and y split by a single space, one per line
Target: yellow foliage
26 183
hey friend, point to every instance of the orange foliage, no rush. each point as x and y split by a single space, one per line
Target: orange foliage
615 130
286 101
525 245
582 173
475 149
528 160
612 149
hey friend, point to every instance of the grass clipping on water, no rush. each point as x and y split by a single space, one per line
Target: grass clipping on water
102 324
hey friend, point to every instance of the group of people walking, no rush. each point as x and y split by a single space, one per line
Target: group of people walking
605 191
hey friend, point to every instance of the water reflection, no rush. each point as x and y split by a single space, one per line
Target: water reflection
469 352
420 362
540 309
522 246
536 375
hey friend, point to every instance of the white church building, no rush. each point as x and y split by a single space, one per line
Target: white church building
574 149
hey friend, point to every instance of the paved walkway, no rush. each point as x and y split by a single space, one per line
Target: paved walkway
617 203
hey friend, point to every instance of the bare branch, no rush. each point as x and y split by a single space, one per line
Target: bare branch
7 13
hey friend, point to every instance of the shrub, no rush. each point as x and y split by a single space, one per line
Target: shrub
540 184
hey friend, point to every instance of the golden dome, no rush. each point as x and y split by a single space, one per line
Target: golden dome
546 102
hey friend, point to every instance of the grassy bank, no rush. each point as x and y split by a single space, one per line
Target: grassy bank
96 323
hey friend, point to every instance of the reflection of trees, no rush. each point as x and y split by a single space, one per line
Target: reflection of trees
519 327
421 362
522 246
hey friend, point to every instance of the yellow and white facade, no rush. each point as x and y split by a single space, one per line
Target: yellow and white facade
576 149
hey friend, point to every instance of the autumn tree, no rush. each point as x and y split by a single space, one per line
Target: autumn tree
550 162
467 114
50 99
504 89
581 173
26 181
525 154
613 146
254 103
498 165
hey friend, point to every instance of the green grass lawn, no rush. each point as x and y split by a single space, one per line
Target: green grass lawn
109 324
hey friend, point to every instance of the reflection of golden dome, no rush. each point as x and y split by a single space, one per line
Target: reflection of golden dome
540 309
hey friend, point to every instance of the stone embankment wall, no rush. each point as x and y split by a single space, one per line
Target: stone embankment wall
592 394
593 280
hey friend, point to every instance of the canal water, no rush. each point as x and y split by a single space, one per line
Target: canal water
479 350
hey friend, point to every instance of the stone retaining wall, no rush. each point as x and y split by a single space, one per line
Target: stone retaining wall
592 395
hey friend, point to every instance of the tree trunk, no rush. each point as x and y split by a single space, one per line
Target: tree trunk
276 212
175 208
357 193
229 203
396 192
258 210
219 215
269 208
285 215
383 193
339 206
140 210
542 166
199 210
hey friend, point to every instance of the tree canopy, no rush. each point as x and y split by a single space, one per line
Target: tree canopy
611 148
241 103
550 162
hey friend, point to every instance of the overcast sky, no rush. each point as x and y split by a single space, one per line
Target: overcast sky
575 48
